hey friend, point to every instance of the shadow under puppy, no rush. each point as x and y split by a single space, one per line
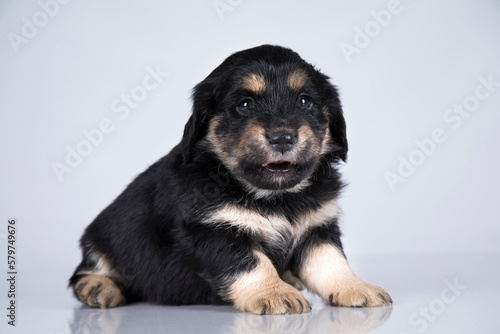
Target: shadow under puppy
243 210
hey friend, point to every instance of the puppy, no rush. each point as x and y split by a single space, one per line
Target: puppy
243 210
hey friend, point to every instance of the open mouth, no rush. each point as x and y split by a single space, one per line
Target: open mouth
279 166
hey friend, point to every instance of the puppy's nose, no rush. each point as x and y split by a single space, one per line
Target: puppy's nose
282 141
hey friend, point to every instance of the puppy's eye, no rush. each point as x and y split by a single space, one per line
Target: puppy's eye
305 102
245 106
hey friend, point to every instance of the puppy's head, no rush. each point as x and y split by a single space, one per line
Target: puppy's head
269 117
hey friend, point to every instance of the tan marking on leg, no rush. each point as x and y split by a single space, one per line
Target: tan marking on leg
254 83
327 273
98 291
297 80
261 291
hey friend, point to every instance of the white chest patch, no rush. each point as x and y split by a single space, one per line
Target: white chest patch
273 228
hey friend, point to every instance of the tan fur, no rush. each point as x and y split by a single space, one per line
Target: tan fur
325 143
307 140
316 217
253 134
261 291
254 83
273 228
217 147
297 79
99 291
327 273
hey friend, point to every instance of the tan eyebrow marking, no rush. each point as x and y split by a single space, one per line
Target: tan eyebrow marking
254 83
297 79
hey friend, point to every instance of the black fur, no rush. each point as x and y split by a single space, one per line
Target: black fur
153 234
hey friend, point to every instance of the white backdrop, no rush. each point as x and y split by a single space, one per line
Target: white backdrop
419 80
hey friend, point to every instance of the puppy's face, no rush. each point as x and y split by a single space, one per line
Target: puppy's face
269 131
269 118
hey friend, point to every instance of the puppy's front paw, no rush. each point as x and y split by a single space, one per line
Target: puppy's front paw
98 291
262 291
358 293
282 299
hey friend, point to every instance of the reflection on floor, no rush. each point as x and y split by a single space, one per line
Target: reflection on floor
149 319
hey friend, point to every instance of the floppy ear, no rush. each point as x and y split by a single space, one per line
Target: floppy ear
197 125
336 119
204 98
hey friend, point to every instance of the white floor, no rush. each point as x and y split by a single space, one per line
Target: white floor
432 294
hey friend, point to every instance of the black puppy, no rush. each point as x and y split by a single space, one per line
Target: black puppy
244 210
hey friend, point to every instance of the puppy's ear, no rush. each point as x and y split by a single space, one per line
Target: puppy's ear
335 118
205 95
197 125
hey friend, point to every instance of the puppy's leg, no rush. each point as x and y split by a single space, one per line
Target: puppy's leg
94 283
325 271
239 273
261 291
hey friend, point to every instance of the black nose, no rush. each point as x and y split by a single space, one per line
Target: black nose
281 141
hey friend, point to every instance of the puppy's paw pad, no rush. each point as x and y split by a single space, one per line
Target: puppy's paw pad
99 291
359 294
